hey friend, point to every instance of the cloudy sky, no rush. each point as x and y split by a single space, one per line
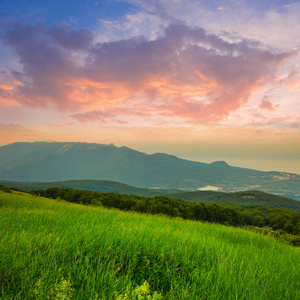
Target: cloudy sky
202 79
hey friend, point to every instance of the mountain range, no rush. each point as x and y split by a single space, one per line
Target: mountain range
44 162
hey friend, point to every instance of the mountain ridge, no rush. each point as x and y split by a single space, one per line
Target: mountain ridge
58 161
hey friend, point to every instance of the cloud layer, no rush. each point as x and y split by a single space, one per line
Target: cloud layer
185 72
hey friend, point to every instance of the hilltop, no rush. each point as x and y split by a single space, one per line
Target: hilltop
254 198
104 186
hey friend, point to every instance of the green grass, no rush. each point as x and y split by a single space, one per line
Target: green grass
57 250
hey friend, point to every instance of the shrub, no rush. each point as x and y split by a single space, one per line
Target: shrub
141 292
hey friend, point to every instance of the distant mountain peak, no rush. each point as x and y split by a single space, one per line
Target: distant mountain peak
220 163
59 161
163 155
65 147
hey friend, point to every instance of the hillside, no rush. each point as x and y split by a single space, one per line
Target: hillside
238 198
103 186
41 161
252 198
80 252
286 220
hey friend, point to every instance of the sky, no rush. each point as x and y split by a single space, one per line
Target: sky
203 80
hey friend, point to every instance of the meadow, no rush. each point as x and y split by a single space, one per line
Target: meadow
52 249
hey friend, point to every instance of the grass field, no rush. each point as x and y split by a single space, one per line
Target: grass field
57 250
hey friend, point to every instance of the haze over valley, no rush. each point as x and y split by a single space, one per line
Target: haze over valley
41 161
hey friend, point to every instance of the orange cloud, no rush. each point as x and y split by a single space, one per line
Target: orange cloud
6 87
185 73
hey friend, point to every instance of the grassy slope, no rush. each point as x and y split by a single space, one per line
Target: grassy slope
51 249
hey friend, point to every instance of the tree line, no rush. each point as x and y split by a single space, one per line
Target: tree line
281 219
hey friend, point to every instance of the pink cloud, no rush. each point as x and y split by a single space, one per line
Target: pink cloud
108 115
287 121
293 81
185 73
93 116
267 105
61 125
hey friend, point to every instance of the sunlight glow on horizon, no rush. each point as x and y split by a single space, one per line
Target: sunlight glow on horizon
200 80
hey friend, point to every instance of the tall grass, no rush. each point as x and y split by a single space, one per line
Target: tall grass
58 250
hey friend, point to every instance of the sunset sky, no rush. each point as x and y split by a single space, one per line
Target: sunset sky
204 80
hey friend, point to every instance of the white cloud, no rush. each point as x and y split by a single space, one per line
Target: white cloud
278 28
134 25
